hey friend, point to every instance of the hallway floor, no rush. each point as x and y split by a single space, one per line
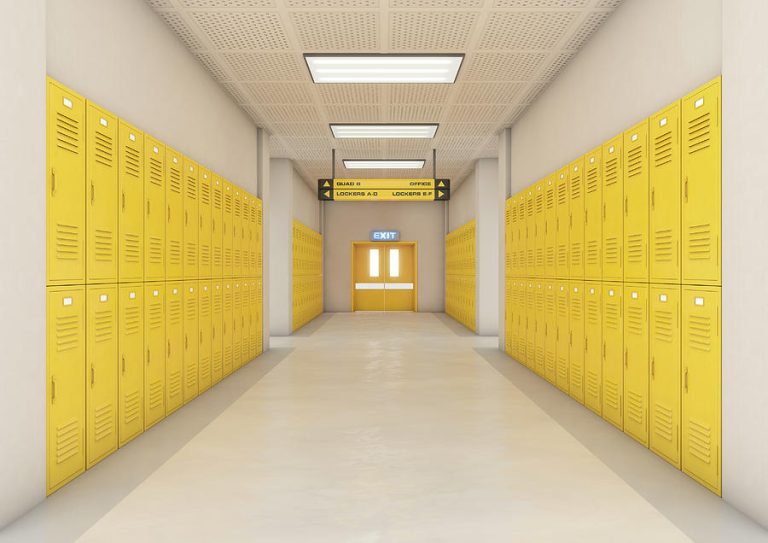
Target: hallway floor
383 428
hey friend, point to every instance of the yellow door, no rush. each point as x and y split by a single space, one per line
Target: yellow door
593 343
217 332
576 219
550 227
562 335
204 335
702 385
130 264
155 212
593 208
237 324
665 195
65 197
237 232
540 221
550 331
368 293
217 227
613 210
101 208
65 354
174 348
702 163
131 359
664 402
613 354
540 328
206 229
154 347
191 219
563 211
400 277
576 341
227 231
227 323
191 351
174 226
636 362
636 196
101 367
530 324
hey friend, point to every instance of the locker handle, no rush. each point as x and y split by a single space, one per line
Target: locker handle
123 200
603 349
653 198
570 338
686 379
603 211
186 342
213 333
93 195
186 217
586 216
626 206
201 337
93 375
169 213
169 348
123 360
201 223
53 181
148 356
586 344
53 389
147 207
685 191
653 367
626 358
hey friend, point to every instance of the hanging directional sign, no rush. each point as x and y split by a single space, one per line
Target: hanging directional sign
383 190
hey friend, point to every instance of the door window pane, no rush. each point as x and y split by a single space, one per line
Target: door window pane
394 262
373 263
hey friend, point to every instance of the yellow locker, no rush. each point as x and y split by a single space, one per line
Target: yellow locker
636 362
130 253
246 235
227 323
530 324
174 348
701 403
255 239
562 336
563 211
227 232
530 232
576 219
522 266
205 248
509 210
539 326
191 219
259 237
237 324
636 196
130 324
65 354
65 194
576 341
247 322
154 346
593 342
664 404
205 309
613 354
613 210
664 179
254 326
593 208
155 213
702 191
540 221
101 208
217 226
101 398
217 316
174 227
508 317
550 331
237 232
550 227
191 331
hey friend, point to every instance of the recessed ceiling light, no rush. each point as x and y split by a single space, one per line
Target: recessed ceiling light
365 68
383 164
384 130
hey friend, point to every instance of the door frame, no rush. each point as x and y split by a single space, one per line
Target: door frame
414 244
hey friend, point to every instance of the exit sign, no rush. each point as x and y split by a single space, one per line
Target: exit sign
385 235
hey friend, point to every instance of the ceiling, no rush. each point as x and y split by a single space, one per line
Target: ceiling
513 49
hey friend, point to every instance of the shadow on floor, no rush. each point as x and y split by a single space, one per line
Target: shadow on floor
454 326
313 326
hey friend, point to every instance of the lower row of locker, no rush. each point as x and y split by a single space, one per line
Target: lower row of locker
123 357
647 358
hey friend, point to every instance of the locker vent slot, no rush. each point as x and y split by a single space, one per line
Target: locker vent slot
576 254
238 209
192 187
550 257
67 336
539 202
662 149
155 317
635 407
550 198
576 187
216 256
132 321
131 248
700 441
104 421
217 361
174 251
205 367
611 171
663 422
612 395
103 245
576 313
104 149
205 254
635 162
205 193
155 394
562 194
216 199
576 377
132 159
132 407
699 133
174 311
593 252
636 248
634 321
67 441
174 384
67 133
192 253
592 180
174 180
562 255
611 317
155 171
611 250
700 333
205 306
593 312
67 241
102 326
191 374
227 203
663 326
592 387
662 245
191 308
155 250
700 242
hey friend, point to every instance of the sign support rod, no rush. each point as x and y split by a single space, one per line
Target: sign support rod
434 163
333 163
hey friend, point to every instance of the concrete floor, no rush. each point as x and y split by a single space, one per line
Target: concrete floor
379 428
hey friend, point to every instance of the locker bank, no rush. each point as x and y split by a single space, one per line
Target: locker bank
384 270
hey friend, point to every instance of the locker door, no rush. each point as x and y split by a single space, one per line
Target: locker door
101 208
191 332
227 323
540 221
252 320
508 316
154 210
174 227
550 227
636 362
259 237
522 316
613 210
206 228
217 225
701 169
204 335
245 242
576 219
664 174
191 219
522 266
130 254
65 194
154 346
593 342
550 331
174 348
102 372
131 359
593 208
259 316
664 402
701 385
255 239
65 354
237 325
247 319
508 212
539 324
530 232
530 324
613 354
563 211
237 232
636 196
562 336
227 232
576 341
217 316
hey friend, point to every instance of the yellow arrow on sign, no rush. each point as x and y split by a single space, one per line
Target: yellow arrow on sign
326 184
440 193
326 194
440 184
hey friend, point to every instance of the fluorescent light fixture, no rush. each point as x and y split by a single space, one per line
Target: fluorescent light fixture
367 68
384 130
388 164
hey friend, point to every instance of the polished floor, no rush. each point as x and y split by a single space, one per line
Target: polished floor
383 428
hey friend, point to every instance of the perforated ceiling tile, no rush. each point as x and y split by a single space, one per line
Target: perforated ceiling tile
334 4
414 113
435 4
462 130
587 28
354 113
267 66
242 30
253 112
298 130
349 94
476 113
610 4
213 65
525 29
513 115
279 93
294 113
419 94
503 66
533 91
226 4
236 92
337 31
182 29
541 3
160 4
420 31
488 93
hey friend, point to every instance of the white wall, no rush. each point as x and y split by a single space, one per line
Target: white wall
488 217
306 207
280 212
122 56
423 222
462 207
22 278
263 161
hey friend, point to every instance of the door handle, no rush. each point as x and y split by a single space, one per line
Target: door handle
186 217
570 338
653 367
169 348
685 191
147 207
123 361
148 355
201 223
123 205
93 376
653 198
53 181
686 380
186 342
53 389
92 192
201 337
169 213
603 349
626 358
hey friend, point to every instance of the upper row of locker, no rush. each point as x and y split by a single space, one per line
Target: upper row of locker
644 206
122 206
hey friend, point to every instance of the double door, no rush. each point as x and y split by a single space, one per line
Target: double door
384 277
